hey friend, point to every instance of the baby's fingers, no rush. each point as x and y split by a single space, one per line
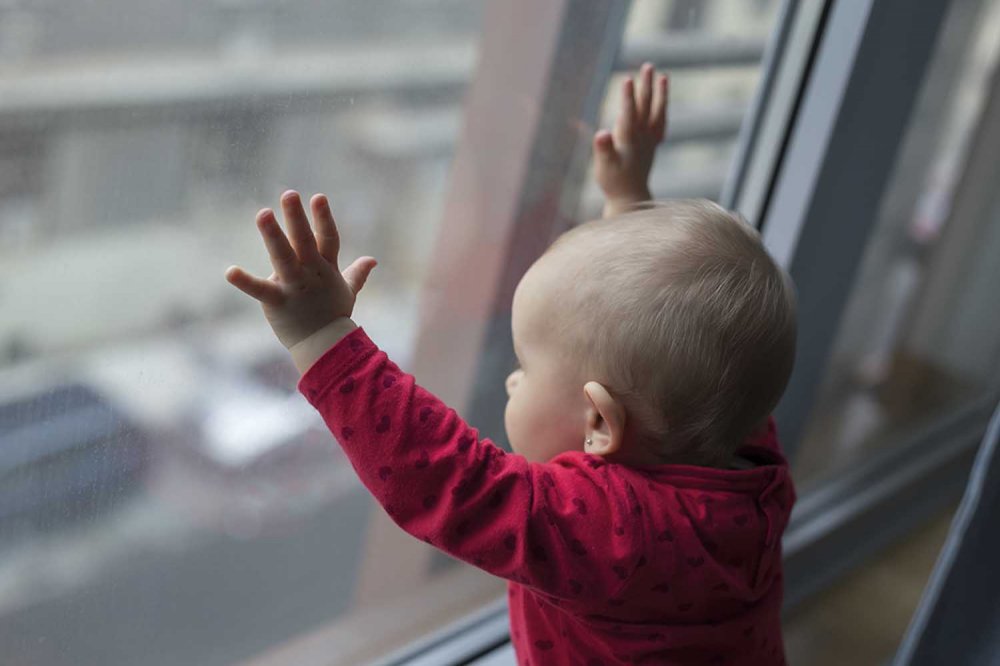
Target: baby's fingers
326 229
644 93
299 231
357 273
283 257
604 147
264 291
658 113
625 127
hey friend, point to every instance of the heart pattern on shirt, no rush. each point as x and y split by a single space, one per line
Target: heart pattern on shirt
581 506
347 386
384 472
423 461
464 442
356 344
347 433
425 412
383 425
463 490
388 381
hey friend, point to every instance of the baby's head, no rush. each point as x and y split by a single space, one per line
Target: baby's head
662 335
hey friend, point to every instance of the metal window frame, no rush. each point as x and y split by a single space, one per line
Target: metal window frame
767 125
848 135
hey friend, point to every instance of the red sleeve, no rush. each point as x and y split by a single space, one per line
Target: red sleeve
543 525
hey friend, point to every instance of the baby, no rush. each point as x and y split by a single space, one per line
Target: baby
639 519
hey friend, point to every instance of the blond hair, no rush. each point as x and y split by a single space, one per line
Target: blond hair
680 311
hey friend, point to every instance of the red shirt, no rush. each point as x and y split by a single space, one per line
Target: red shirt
607 564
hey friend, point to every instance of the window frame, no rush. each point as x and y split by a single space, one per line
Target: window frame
871 61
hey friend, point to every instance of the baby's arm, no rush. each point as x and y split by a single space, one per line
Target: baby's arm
565 528
547 526
624 157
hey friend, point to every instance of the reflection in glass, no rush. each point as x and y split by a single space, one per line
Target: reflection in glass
167 496
920 336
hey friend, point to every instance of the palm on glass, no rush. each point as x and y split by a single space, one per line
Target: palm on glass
623 157
307 290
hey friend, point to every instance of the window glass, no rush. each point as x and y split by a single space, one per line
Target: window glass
920 336
712 50
166 496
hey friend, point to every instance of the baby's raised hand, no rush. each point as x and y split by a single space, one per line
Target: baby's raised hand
306 291
623 158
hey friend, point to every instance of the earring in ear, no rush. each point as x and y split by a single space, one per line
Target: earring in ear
588 442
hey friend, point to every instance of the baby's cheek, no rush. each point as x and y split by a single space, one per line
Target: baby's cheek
510 425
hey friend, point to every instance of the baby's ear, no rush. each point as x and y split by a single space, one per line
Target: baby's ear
605 421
